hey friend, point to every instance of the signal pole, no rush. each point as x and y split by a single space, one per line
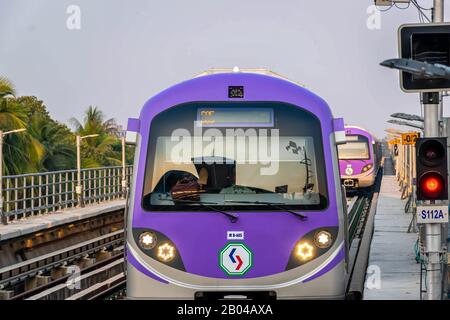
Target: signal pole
433 231
438 11
435 228
79 187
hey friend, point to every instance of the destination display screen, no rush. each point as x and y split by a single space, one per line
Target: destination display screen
235 117
352 138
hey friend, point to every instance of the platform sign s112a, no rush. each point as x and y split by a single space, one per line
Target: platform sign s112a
432 214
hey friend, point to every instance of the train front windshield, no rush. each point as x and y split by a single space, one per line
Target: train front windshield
356 148
234 155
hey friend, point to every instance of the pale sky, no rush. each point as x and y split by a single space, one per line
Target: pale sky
127 51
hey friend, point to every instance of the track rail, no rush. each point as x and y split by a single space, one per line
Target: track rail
361 227
111 289
18 273
356 216
64 280
90 283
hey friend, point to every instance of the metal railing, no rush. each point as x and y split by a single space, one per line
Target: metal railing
35 194
405 168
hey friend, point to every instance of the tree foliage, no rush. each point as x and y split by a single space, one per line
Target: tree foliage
98 151
48 145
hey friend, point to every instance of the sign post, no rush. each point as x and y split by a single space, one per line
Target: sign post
424 64
433 231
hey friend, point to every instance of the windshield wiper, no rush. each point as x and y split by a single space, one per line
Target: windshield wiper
273 205
233 217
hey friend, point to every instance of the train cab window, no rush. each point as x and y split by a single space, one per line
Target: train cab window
356 148
235 155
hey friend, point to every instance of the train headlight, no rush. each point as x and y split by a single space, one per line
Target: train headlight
366 168
147 240
312 245
166 252
305 250
158 246
323 239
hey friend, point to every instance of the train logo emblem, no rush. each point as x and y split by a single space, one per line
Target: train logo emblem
235 259
349 170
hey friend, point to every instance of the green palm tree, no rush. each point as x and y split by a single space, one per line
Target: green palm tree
6 88
94 122
58 143
13 115
21 152
97 151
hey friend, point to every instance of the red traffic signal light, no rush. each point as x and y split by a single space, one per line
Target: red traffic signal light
432 185
432 169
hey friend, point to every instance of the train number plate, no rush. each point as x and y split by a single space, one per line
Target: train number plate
235 235
432 214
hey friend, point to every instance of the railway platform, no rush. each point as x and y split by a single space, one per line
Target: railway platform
392 272
38 223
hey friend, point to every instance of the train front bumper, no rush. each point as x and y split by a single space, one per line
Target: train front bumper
329 286
363 180
322 279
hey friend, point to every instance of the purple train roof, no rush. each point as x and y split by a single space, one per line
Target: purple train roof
354 130
215 88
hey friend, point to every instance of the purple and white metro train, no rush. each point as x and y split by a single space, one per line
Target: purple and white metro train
359 158
236 191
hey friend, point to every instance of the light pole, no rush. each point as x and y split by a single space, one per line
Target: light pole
431 99
433 231
2 136
79 187
407 116
406 123
124 168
